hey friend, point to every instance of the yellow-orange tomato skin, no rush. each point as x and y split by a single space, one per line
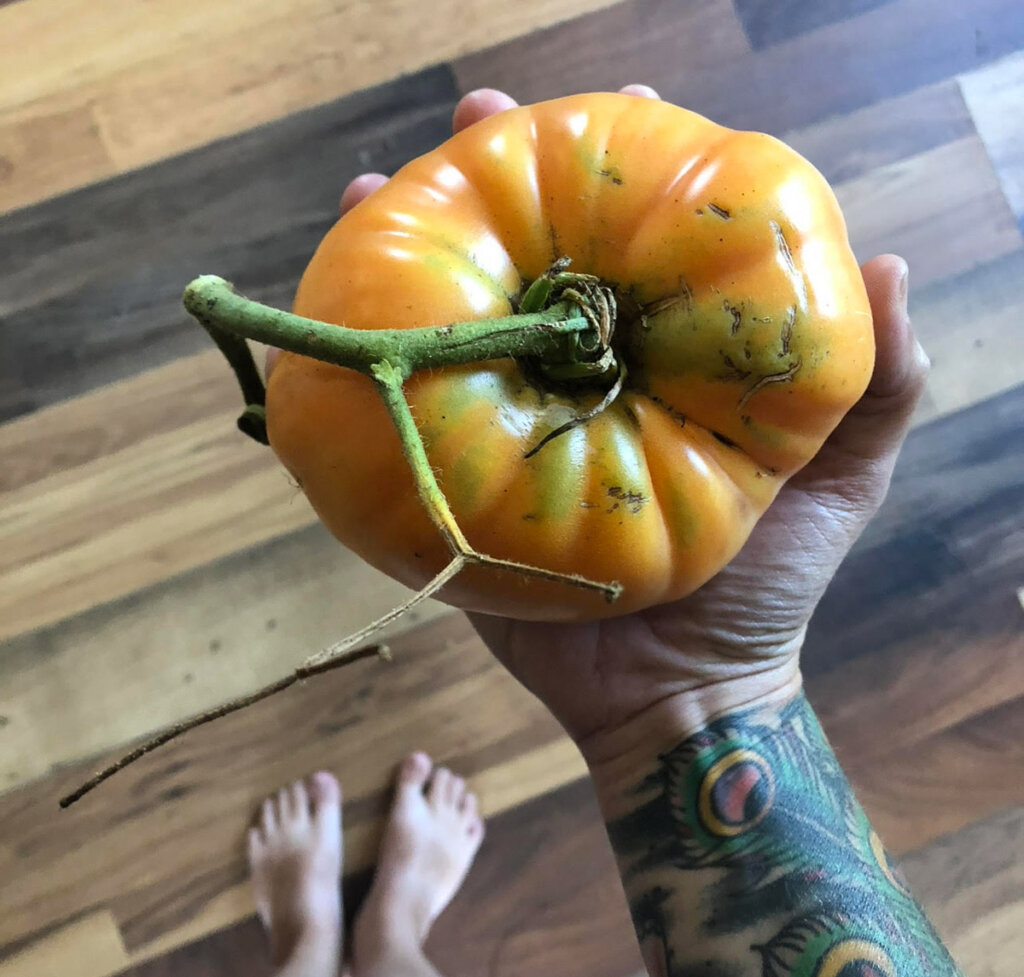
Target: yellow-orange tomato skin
756 340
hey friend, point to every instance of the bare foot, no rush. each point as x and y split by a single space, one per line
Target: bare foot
295 861
432 835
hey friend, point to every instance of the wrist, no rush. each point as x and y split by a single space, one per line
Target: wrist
618 757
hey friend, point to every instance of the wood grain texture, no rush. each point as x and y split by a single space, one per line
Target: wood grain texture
182 646
117 308
940 563
154 81
161 846
90 290
543 896
967 324
697 55
921 792
973 882
994 95
767 22
852 145
943 210
443 693
87 947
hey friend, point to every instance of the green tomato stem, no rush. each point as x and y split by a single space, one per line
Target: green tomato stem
553 335
559 335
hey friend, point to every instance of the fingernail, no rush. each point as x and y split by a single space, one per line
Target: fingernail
904 284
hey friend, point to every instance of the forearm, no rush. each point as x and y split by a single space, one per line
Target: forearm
744 852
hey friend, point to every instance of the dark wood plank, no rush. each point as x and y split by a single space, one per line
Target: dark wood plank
972 882
941 562
92 281
543 897
917 792
696 55
767 22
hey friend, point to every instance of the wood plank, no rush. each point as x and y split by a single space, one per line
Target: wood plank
114 417
91 284
848 146
160 846
149 539
182 646
994 95
696 55
973 884
767 22
87 947
940 563
963 323
542 897
944 783
154 82
943 210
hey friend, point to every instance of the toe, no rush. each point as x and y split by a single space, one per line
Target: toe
268 817
282 804
325 801
468 805
254 845
297 803
440 783
415 770
456 791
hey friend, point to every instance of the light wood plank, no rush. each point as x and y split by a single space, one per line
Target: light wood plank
970 327
119 671
88 947
995 96
844 147
156 80
160 845
943 210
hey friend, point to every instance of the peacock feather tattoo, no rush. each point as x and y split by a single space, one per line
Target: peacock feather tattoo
763 802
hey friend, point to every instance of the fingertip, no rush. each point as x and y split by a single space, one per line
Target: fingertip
642 91
900 361
478 105
270 361
360 188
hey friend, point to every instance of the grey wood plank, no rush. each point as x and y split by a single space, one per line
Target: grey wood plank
697 55
91 282
767 22
942 560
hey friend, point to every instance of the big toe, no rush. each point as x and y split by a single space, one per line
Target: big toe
325 800
415 770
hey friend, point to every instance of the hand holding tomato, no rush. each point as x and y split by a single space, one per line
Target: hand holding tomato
618 684
622 682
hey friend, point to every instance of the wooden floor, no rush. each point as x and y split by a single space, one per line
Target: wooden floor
153 562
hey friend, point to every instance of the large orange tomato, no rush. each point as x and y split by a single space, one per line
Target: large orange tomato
743 322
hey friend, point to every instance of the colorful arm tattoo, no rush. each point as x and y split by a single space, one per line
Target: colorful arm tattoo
749 855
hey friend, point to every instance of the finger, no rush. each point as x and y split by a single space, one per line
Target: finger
643 91
878 423
360 188
858 458
479 105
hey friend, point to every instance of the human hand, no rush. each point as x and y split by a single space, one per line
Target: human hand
624 683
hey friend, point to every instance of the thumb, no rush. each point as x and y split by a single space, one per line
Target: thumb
857 460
